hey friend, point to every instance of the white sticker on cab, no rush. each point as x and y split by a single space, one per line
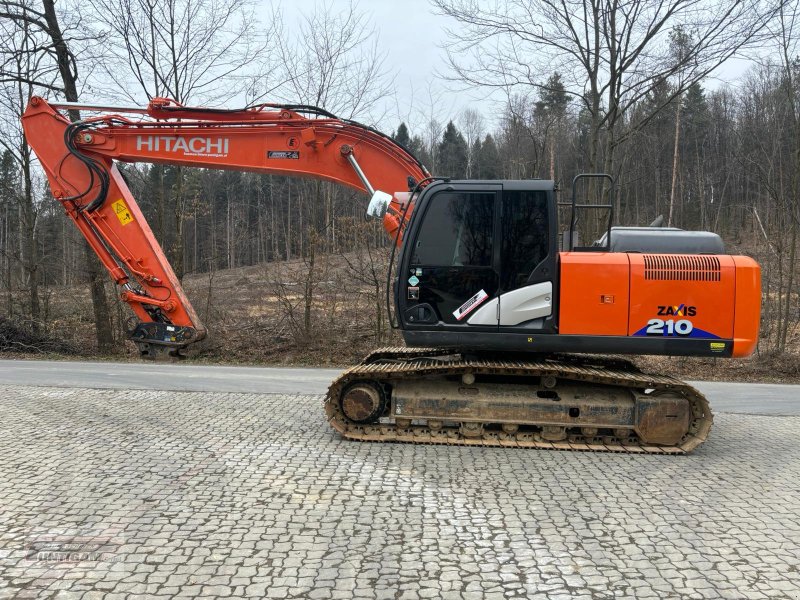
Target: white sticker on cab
470 305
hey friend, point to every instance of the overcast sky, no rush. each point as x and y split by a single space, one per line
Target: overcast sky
412 35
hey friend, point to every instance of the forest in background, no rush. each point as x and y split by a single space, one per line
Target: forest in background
293 264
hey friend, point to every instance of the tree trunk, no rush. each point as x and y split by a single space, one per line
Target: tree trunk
177 248
308 300
228 235
675 158
102 316
160 206
30 260
794 183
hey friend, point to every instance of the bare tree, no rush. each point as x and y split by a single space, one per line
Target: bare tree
24 66
680 42
197 51
473 128
366 268
333 61
52 54
611 53
787 33
187 50
522 142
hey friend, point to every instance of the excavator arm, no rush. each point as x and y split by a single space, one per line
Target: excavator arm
78 159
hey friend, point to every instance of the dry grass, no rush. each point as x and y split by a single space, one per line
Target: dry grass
256 315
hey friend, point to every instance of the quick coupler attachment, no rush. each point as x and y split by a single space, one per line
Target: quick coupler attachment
162 341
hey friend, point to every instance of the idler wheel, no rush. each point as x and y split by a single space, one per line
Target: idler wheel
363 403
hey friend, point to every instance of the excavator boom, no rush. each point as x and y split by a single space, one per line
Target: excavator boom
78 159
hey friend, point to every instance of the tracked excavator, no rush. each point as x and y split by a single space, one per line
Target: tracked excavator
514 331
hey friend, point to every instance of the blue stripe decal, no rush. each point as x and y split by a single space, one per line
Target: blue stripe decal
695 333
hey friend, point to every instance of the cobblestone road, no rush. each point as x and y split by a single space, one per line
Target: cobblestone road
127 494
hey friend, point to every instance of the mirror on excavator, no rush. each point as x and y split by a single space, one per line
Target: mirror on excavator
378 204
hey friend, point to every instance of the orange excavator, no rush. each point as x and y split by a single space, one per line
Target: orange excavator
513 329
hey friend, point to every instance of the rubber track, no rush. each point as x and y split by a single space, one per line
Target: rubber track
391 364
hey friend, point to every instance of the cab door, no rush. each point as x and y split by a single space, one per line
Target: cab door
527 257
450 268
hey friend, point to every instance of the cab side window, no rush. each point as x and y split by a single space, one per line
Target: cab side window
456 231
525 236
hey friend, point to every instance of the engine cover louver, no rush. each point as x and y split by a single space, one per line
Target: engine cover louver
680 267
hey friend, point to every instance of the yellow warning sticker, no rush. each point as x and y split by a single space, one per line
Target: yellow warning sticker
123 213
718 345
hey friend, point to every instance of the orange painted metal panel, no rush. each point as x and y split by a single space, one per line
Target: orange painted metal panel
747 310
263 139
117 231
594 293
690 296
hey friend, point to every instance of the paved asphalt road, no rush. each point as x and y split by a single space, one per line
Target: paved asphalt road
744 398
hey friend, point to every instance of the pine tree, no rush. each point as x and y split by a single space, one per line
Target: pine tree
453 153
8 175
401 136
414 145
489 159
551 110
475 152
553 98
696 116
695 124
417 148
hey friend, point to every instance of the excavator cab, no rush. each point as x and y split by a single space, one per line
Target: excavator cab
485 267
479 257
